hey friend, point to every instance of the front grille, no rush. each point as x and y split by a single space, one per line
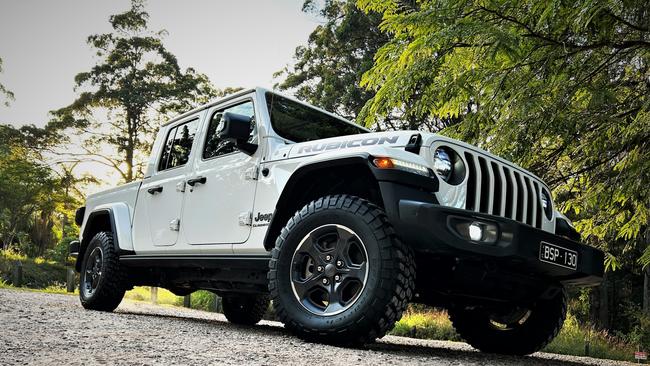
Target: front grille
497 189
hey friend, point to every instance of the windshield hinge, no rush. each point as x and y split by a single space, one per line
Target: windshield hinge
414 144
252 173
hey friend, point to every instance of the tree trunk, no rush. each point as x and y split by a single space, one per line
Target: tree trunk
646 290
599 309
130 145
646 274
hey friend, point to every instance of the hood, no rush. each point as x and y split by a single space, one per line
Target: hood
386 139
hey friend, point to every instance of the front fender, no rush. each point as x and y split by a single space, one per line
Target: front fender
390 183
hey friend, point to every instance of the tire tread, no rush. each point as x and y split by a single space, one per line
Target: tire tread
397 285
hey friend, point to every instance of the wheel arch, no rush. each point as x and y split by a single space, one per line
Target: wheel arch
350 175
114 218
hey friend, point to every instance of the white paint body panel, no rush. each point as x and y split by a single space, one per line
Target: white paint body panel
209 214
122 202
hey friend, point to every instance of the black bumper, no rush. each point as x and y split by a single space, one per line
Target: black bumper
427 227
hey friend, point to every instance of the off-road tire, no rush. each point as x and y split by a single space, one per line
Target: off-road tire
245 309
544 323
112 282
390 281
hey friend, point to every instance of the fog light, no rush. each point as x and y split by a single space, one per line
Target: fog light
475 231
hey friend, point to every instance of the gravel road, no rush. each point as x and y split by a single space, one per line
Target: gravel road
46 329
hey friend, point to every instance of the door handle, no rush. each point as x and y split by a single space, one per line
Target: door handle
199 180
154 190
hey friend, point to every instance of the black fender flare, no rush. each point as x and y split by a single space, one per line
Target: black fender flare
386 178
89 227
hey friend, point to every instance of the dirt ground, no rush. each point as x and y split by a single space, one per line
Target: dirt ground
46 329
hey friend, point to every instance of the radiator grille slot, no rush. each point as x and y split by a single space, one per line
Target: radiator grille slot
494 188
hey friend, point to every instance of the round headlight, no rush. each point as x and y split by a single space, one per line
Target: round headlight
442 164
547 205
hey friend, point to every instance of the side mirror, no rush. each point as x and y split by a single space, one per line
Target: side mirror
237 128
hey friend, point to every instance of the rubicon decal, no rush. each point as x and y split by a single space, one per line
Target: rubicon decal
369 141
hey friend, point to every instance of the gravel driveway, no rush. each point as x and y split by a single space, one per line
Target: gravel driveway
46 329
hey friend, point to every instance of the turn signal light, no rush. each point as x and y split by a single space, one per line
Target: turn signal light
384 163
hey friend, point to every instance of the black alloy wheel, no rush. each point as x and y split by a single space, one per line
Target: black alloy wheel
92 272
329 269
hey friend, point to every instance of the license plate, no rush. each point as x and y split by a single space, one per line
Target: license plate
554 254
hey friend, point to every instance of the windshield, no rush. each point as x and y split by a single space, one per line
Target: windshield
297 122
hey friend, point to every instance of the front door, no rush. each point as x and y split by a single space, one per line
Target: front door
162 194
220 200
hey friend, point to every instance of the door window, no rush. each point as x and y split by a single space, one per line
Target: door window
178 145
216 146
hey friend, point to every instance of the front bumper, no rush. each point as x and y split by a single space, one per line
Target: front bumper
427 227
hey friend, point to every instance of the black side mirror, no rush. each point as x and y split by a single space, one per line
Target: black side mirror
237 128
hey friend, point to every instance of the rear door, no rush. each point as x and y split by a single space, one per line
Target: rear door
218 207
162 194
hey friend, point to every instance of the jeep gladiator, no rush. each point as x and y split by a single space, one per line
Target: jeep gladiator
260 197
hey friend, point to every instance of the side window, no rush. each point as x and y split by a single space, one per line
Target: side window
215 146
178 145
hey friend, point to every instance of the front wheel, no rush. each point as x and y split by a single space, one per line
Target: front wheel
512 330
339 274
102 281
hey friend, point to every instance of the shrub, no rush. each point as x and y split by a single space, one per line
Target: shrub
38 273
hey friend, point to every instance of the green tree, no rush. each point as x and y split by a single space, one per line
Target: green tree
4 92
327 71
39 192
136 81
559 87
26 189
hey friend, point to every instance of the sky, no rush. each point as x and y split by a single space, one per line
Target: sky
235 43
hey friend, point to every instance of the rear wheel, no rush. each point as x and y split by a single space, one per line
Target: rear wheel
245 309
102 281
517 330
339 274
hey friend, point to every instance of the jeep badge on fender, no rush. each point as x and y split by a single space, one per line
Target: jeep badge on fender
259 197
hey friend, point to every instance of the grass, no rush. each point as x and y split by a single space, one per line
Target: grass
52 289
38 273
165 297
431 324
572 337
425 325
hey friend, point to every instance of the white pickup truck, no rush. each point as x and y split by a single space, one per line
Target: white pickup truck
258 196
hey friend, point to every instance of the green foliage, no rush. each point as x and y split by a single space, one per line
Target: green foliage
142 293
137 80
572 338
25 188
419 322
327 71
202 300
37 201
38 273
425 324
558 87
640 333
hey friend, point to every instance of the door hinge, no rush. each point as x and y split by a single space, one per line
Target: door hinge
175 225
180 186
246 218
252 173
